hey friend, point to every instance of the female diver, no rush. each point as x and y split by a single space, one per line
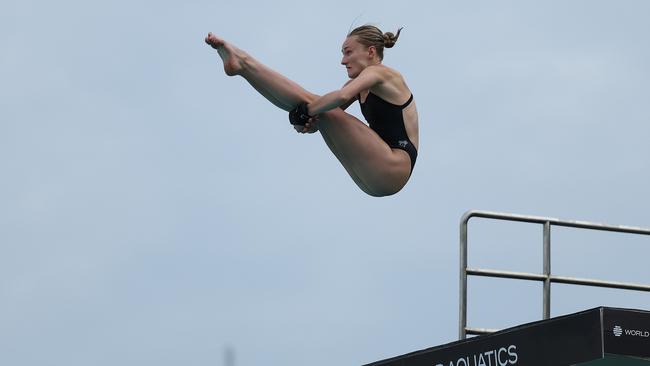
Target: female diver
379 157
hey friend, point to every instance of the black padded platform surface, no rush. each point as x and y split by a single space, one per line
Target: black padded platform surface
600 336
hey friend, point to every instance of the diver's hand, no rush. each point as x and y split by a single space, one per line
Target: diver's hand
310 127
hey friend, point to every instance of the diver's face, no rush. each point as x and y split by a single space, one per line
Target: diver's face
356 56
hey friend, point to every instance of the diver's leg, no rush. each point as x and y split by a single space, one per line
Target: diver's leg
376 168
342 159
274 86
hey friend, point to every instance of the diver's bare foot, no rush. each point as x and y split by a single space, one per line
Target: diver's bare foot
232 62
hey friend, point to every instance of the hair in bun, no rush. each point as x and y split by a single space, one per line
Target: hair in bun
369 35
390 38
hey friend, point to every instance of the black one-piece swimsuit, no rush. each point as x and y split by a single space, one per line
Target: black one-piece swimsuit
387 120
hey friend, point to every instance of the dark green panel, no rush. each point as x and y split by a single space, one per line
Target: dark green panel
613 360
574 339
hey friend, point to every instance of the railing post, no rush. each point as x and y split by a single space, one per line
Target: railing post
462 318
546 306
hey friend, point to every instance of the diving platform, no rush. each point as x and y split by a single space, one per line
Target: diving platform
600 336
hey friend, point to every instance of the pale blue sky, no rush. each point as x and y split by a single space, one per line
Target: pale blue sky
155 211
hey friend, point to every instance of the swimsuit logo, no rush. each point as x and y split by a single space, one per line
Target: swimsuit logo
618 331
403 143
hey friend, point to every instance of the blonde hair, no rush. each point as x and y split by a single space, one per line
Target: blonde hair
369 35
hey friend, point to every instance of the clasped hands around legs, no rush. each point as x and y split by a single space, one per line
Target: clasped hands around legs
301 121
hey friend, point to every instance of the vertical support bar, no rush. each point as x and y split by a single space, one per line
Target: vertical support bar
462 321
547 271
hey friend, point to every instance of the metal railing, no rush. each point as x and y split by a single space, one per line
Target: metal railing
546 277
